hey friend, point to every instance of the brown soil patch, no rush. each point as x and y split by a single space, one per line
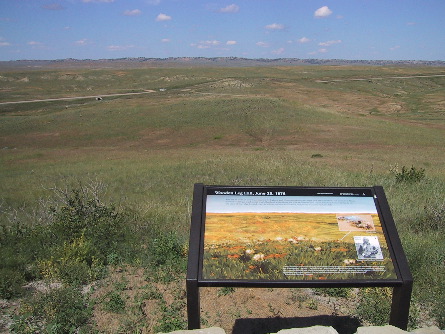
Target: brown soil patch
265 310
336 100
240 310
436 101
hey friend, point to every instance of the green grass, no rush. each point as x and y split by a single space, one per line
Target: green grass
279 127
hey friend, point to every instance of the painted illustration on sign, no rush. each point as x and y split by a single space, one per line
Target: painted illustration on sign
251 235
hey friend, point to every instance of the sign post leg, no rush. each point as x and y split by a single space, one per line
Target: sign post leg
193 305
401 298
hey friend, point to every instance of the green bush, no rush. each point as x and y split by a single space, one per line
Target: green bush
334 292
166 257
172 316
114 303
63 310
11 282
75 242
16 256
428 219
375 305
82 216
411 175
439 311
89 234
166 249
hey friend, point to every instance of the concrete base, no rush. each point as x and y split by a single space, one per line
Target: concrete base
323 330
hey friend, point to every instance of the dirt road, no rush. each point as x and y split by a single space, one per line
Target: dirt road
79 97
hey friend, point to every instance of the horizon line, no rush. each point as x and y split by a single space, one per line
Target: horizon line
231 58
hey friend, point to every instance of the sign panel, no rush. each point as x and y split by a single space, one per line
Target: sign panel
276 234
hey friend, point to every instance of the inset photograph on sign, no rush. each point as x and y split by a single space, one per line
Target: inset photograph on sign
368 248
256 234
348 222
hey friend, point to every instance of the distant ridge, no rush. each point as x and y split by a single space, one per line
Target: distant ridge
204 61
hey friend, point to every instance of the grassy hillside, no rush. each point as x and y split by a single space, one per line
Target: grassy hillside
314 126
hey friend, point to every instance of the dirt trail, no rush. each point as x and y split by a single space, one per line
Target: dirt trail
79 97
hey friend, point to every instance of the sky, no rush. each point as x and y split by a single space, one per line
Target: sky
328 29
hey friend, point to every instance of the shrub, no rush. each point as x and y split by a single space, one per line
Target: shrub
172 316
167 257
225 291
79 236
16 253
429 219
76 262
334 292
375 305
99 224
166 249
439 311
411 175
114 303
11 282
152 293
62 310
434 217
89 234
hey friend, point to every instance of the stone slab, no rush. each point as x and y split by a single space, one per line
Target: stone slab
309 330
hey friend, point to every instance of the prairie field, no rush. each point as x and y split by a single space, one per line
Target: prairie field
119 150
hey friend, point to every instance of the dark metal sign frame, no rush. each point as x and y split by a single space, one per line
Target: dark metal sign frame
401 284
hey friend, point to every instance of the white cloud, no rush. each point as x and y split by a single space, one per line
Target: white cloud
395 48
206 44
329 43
318 51
231 42
323 12
212 43
230 9
119 47
278 51
4 43
275 26
165 40
304 40
263 44
53 6
163 17
82 42
34 43
133 12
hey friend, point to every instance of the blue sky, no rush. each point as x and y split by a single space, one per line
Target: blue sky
341 29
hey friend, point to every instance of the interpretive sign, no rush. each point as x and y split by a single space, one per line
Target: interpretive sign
294 234
295 237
